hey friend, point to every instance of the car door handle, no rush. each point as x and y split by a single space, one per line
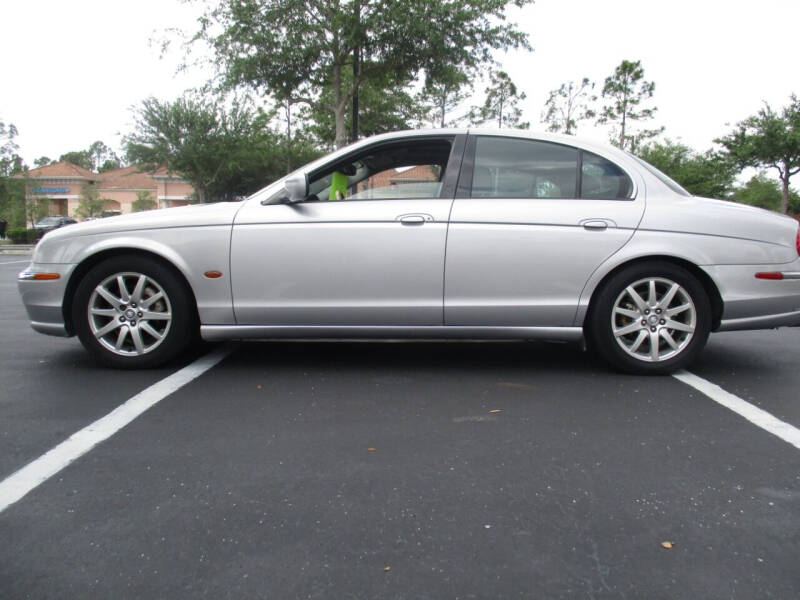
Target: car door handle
596 224
415 219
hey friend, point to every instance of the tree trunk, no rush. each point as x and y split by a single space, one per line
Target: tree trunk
288 137
339 108
500 114
785 190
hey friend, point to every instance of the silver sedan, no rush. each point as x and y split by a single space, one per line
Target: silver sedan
429 234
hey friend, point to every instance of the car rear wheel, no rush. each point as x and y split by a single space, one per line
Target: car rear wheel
650 318
133 312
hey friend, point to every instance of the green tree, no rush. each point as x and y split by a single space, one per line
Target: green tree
144 201
765 192
569 104
103 158
42 161
223 153
444 92
769 139
623 94
82 158
97 157
12 201
501 104
11 163
294 49
90 203
385 105
12 191
710 174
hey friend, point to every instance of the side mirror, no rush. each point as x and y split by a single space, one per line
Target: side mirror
296 186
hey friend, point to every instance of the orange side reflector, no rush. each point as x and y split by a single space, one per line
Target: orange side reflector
213 274
45 276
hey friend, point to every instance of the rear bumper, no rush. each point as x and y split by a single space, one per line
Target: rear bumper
791 319
750 302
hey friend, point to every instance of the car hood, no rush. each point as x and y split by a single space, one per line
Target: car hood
705 216
197 215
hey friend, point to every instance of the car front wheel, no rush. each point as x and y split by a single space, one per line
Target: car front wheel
133 312
650 318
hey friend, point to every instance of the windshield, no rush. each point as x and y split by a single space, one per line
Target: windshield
666 180
47 221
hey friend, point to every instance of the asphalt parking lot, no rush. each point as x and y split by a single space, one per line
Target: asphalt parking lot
401 470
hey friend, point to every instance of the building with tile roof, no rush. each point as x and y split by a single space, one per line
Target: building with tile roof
59 185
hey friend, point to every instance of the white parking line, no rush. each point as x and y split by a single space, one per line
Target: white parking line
755 415
40 470
14 262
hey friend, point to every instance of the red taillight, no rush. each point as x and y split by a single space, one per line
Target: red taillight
798 241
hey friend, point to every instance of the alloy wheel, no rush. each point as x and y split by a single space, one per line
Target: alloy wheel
129 314
653 319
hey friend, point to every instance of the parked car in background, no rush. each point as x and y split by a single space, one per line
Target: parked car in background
53 222
429 234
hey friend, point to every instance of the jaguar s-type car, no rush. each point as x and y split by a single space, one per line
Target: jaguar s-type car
429 234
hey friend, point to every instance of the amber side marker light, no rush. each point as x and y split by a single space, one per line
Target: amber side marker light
213 274
769 275
32 276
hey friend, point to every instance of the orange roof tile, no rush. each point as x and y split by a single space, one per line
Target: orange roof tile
164 172
60 169
128 178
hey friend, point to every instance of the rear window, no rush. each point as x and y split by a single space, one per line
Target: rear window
603 180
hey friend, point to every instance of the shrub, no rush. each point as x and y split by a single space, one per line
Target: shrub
18 235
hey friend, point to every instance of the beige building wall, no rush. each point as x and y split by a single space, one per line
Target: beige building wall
125 198
173 192
60 184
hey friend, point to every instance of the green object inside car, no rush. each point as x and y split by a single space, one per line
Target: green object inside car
338 186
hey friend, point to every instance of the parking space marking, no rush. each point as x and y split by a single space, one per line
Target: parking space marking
14 262
35 473
755 415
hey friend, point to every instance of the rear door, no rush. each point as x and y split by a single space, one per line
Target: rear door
531 221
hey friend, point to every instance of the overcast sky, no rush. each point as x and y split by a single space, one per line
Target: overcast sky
72 70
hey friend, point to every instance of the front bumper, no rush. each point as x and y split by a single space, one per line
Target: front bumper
43 299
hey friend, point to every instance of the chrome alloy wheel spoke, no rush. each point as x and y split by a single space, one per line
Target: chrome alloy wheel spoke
677 325
653 319
654 343
129 314
109 297
136 296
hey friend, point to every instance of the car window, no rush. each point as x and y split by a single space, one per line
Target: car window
603 180
413 169
418 181
514 168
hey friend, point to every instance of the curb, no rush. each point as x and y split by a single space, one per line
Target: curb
18 249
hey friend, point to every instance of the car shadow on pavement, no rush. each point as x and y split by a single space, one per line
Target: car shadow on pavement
425 355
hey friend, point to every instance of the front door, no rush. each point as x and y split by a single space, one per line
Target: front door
366 248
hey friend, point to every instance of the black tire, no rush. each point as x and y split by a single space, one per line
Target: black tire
175 302
649 329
